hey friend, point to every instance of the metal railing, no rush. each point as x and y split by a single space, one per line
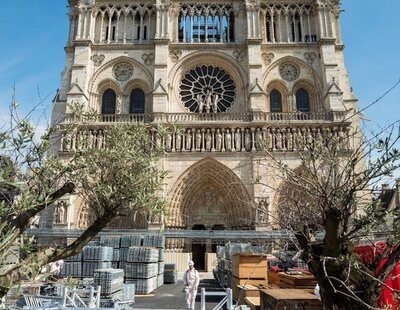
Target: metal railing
227 300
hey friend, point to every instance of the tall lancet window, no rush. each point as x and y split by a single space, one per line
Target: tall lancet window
137 101
108 102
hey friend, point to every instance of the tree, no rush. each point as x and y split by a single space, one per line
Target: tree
333 191
118 176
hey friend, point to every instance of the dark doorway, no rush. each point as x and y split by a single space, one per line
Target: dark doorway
198 251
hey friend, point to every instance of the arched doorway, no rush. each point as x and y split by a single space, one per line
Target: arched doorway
209 195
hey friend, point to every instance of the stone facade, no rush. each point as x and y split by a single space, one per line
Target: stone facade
232 74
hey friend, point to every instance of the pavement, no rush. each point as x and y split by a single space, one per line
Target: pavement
171 296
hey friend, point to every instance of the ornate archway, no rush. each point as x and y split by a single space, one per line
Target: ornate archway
210 194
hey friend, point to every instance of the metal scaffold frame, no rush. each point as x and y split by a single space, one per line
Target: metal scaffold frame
190 234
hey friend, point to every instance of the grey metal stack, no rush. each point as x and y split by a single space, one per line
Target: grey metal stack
143 286
133 240
141 268
170 274
111 280
73 269
156 241
142 255
96 257
113 242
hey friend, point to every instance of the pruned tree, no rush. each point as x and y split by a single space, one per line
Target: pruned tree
119 177
333 192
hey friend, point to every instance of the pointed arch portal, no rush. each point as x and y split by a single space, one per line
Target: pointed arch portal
209 193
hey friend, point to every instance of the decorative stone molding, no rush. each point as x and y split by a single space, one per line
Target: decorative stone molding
239 55
98 59
267 58
289 71
123 71
148 58
175 55
310 57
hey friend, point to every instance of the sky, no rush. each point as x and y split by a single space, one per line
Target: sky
33 38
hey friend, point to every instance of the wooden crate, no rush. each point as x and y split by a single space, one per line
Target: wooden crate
288 299
249 266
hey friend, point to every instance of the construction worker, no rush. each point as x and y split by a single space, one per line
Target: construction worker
191 279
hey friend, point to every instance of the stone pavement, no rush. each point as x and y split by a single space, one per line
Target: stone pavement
171 296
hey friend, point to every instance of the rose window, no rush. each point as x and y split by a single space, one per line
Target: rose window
207 89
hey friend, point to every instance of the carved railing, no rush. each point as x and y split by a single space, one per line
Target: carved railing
209 117
223 139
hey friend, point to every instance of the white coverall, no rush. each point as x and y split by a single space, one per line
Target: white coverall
191 279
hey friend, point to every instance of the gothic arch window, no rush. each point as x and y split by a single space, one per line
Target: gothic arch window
206 23
137 101
108 102
302 100
275 101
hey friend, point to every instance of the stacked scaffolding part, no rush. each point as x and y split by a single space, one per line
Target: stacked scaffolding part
170 274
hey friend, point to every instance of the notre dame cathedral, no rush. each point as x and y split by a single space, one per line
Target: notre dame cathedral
233 74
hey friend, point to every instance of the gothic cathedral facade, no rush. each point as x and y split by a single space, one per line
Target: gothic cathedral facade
230 73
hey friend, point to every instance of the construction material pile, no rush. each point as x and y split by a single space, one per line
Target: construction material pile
139 258
170 274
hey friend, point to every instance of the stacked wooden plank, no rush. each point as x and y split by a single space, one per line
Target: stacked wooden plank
296 281
248 269
288 299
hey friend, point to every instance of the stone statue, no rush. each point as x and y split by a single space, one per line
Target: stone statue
259 139
278 137
262 211
318 138
158 140
218 140
247 140
228 140
238 140
198 140
60 213
200 103
215 103
178 142
269 139
208 100
208 140
168 142
188 140
309 138
289 139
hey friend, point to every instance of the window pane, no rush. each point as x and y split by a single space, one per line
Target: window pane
108 102
275 101
302 100
137 101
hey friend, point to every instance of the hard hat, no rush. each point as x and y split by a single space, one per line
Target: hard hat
191 263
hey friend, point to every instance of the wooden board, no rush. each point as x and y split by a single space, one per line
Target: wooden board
249 266
253 303
237 286
289 299
299 280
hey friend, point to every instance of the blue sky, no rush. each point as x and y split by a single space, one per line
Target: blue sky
33 37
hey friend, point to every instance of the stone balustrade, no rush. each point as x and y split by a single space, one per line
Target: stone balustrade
224 139
209 117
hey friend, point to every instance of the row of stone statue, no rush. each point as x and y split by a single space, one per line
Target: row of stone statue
252 139
225 139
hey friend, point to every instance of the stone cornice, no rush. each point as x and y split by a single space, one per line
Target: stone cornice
119 47
205 46
326 41
254 41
